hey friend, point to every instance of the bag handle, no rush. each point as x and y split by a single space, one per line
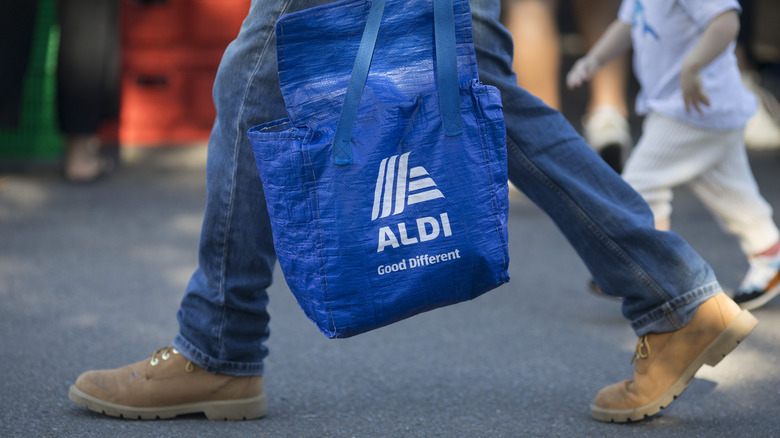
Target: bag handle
447 67
447 76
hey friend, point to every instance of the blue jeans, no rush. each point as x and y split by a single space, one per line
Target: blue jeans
223 318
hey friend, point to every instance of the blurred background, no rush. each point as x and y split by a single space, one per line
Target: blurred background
92 275
158 60
161 57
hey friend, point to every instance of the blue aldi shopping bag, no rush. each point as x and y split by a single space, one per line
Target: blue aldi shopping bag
387 183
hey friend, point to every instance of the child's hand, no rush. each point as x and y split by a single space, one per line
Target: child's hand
582 71
692 91
716 38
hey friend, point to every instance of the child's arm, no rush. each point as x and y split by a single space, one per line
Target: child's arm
615 41
716 38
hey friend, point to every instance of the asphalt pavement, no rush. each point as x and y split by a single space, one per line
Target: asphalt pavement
91 277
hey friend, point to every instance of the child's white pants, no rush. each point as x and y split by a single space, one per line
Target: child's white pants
714 165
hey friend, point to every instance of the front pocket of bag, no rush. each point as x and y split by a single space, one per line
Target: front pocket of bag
272 139
277 147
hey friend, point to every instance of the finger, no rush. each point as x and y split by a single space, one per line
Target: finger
571 81
695 104
574 78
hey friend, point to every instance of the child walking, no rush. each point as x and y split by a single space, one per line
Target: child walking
696 111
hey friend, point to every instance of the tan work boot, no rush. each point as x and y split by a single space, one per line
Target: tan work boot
665 363
167 385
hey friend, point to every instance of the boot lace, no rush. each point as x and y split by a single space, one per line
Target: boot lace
642 349
165 354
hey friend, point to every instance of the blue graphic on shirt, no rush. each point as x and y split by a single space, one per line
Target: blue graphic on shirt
640 20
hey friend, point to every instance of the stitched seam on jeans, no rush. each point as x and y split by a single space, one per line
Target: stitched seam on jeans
675 305
236 146
200 359
602 237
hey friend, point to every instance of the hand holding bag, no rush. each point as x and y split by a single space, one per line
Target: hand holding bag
387 183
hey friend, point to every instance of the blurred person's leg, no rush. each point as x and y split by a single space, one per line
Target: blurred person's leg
606 127
765 43
17 26
537 53
87 82
672 153
758 52
730 191
608 85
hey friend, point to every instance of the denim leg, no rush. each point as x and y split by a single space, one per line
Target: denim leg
661 278
223 321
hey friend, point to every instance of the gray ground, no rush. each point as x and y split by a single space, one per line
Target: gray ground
91 277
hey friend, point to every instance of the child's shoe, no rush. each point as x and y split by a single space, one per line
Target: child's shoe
608 133
761 283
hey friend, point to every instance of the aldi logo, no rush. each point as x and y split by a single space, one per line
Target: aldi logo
397 186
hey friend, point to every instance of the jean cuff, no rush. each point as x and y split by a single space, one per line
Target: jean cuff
216 366
676 313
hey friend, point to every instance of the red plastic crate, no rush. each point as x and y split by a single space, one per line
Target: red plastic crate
170 53
216 22
154 23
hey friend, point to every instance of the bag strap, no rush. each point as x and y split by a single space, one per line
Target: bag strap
447 63
447 76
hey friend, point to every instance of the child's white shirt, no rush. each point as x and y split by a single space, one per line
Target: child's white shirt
662 33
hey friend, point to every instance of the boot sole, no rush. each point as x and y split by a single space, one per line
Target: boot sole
232 410
739 329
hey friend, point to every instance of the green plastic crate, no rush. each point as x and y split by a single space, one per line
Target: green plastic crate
37 137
